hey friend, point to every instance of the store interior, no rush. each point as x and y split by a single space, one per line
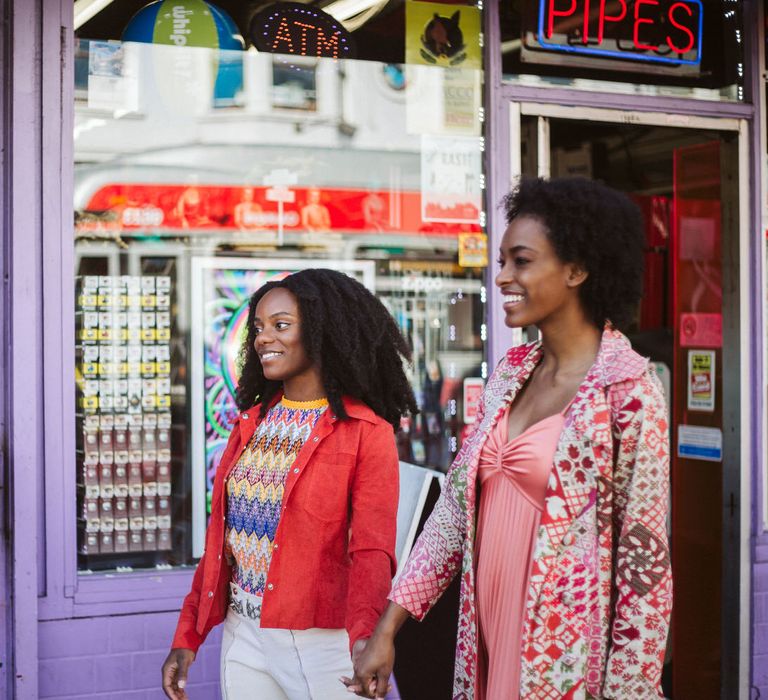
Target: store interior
682 180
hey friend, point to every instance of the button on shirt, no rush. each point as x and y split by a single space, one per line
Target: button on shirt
255 489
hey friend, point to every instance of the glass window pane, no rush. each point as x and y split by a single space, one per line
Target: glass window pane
202 173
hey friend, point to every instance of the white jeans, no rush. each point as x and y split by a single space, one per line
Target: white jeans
280 664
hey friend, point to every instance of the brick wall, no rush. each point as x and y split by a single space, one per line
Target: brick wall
118 658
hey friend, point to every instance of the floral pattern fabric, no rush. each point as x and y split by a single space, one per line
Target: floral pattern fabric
600 593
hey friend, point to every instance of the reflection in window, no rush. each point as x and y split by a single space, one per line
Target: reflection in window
201 173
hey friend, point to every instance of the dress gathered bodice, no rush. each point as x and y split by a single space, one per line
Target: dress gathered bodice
513 477
523 459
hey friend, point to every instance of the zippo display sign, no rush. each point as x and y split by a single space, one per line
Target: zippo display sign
619 34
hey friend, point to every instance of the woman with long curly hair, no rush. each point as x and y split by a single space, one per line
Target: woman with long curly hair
300 545
554 510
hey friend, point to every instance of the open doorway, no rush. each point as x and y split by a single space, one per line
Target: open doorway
686 183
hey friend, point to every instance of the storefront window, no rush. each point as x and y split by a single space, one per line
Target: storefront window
646 47
219 148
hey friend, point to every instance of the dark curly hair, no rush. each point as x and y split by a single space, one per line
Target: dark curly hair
597 227
349 333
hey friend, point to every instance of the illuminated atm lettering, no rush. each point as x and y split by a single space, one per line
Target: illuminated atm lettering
283 35
287 31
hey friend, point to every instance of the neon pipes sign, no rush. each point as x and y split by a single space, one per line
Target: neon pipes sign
662 32
300 30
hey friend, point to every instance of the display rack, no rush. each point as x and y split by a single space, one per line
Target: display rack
123 417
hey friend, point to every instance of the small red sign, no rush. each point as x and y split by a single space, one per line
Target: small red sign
473 392
701 330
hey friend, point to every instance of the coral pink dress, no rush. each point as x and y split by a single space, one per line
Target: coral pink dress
513 480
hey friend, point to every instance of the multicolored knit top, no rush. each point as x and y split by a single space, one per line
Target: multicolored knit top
255 488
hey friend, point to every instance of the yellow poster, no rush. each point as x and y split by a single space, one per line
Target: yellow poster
442 35
701 380
473 250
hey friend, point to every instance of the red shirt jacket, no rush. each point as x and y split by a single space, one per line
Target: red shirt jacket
334 551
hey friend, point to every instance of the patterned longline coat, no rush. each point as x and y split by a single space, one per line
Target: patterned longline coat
600 594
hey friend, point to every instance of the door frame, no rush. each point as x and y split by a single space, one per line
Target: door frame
506 169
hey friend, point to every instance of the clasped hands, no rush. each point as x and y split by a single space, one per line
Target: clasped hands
372 663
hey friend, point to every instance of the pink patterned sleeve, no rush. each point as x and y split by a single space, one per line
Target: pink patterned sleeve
437 553
642 577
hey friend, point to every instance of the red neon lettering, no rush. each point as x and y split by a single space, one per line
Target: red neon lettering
585 37
283 34
691 37
638 21
609 18
557 13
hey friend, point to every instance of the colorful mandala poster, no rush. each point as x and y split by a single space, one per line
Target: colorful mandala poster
222 288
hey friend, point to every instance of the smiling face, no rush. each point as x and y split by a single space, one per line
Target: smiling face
536 285
278 339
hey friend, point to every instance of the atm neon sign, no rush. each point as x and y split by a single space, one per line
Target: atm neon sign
652 31
300 30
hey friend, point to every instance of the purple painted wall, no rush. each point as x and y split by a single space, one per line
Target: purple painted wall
4 349
118 658
760 619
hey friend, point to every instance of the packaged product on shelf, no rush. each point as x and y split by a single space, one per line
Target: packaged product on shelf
123 380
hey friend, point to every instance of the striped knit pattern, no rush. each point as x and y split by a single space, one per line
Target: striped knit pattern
255 488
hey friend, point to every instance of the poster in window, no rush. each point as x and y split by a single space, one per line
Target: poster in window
473 392
701 380
442 35
473 249
112 82
221 290
451 179
443 101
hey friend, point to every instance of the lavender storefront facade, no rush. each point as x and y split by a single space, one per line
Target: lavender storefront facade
103 637
72 634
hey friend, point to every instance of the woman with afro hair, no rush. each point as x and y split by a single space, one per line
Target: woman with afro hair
554 510
300 545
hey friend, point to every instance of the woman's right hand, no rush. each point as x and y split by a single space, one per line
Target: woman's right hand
373 667
175 670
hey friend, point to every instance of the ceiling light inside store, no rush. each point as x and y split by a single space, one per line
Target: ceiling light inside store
344 9
85 9
361 10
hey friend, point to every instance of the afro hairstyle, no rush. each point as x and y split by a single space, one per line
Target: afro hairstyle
596 227
349 333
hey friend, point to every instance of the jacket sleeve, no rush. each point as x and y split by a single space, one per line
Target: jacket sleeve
436 555
642 578
373 529
186 636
